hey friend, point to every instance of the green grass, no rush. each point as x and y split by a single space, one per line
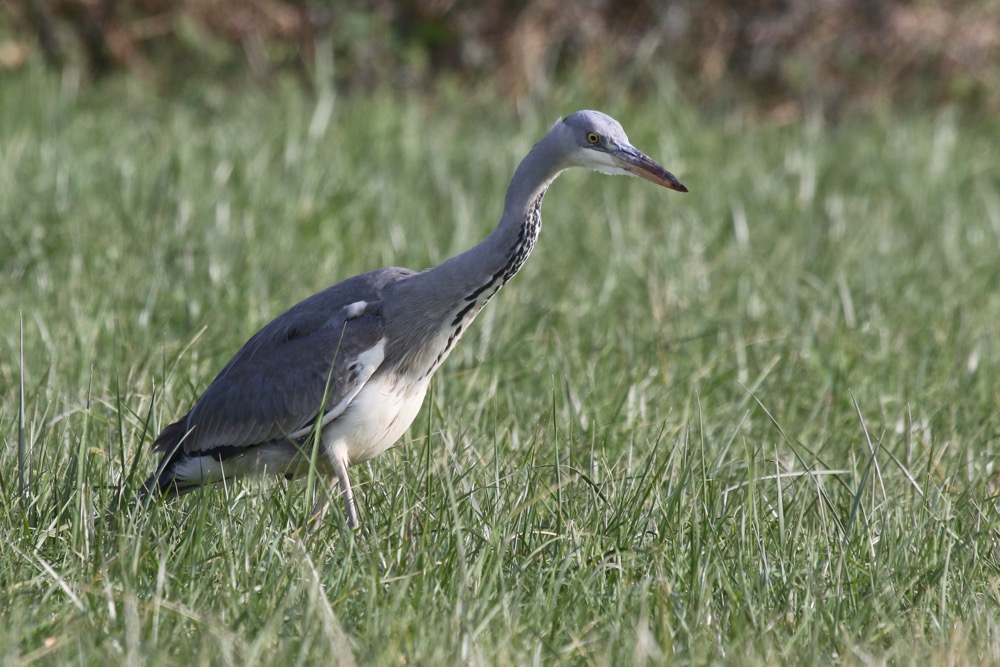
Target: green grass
754 423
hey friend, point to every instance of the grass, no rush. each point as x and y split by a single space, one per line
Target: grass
754 423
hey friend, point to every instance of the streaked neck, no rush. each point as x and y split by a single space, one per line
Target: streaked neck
443 301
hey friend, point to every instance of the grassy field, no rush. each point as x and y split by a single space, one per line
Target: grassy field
754 423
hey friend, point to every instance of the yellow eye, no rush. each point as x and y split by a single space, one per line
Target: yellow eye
593 137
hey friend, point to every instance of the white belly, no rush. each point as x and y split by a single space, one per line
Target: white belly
377 417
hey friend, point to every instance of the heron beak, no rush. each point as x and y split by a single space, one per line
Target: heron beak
636 162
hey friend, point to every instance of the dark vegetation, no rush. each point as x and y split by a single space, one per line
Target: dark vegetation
781 56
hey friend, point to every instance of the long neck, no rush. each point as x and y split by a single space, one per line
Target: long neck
440 303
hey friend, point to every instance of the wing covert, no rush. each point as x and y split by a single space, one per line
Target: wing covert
285 377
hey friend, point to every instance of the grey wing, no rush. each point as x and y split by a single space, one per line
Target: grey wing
288 375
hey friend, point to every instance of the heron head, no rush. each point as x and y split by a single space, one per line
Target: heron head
597 141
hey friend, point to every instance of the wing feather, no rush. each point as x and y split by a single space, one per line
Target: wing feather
276 384
279 384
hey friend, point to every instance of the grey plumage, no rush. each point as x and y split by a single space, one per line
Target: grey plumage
353 362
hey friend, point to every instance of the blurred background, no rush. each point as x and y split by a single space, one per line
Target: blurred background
777 58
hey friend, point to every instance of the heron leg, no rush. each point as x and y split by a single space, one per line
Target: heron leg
340 470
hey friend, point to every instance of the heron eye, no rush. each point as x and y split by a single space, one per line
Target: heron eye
593 137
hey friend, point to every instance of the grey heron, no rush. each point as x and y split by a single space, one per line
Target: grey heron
348 367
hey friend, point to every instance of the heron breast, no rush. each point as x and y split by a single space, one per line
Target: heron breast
378 416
